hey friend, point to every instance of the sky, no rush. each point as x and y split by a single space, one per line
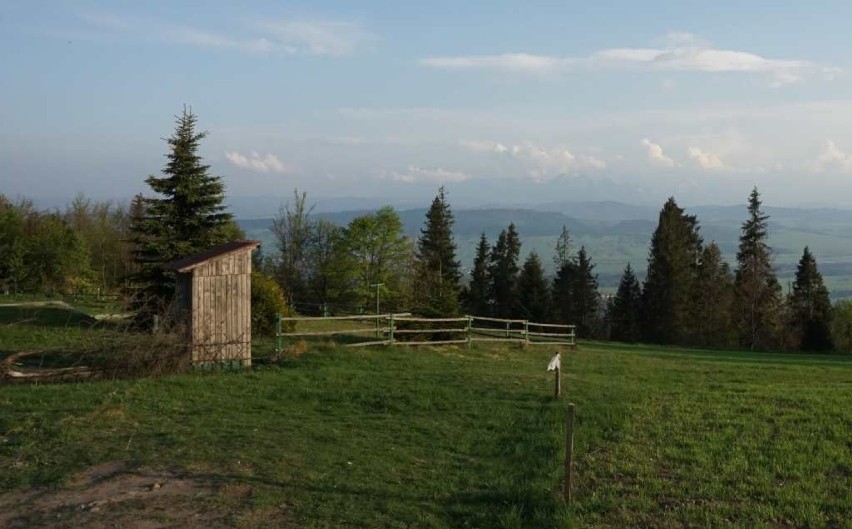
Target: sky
502 102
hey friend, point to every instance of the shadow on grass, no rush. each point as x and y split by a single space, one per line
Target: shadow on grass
44 316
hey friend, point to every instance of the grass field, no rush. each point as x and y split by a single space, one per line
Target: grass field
443 437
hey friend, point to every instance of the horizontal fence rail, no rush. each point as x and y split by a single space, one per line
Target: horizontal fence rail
404 329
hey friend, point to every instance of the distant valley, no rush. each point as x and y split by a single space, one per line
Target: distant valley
616 233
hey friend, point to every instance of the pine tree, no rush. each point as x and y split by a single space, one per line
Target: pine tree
626 311
187 217
478 293
584 295
503 272
810 307
566 268
670 280
758 294
714 299
533 291
438 271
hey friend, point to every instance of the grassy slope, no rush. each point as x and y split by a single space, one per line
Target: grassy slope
456 438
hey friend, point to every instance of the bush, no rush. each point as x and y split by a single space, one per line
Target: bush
267 301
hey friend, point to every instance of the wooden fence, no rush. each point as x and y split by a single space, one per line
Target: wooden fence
404 329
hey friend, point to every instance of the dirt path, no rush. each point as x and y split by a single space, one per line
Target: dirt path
109 495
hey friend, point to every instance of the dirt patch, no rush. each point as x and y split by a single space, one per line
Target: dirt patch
109 495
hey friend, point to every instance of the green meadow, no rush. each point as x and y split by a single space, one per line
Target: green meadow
452 437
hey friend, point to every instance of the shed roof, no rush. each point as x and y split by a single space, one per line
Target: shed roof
188 263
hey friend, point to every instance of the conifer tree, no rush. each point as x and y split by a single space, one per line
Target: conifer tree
626 310
669 282
584 295
186 217
757 292
503 272
438 271
714 299
566 268
478 293
533 290
810 307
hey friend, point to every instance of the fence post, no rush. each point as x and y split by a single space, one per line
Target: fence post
507 329
469 325
526 332
390 329
278 347
156 324
558 383
569 452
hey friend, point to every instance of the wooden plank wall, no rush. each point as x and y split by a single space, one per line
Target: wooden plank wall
221 309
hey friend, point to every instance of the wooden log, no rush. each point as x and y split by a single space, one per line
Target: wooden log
332 333
555 325
499 320
432 320
416 331
569 453
514 340
367 344
442 342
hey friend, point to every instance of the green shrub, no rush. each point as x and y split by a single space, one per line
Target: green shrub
267 301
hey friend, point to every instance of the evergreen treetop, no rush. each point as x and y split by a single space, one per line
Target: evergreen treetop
438 270
187 216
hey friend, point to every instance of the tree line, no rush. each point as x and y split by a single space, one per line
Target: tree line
690 295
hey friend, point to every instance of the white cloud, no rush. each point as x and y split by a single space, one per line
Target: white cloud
286 37
656 155
684 52
542 163
833 159
485 146
511 62
414 174
255 162
706 160
203 39
317 37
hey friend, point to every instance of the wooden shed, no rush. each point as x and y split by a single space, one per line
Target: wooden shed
214 297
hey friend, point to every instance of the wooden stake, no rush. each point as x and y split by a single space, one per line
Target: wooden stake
558 385
569 452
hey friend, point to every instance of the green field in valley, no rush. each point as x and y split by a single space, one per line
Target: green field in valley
434 437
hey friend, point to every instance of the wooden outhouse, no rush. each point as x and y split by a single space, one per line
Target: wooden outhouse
214 298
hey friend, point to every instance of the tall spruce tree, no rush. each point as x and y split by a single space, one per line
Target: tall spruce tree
478 292
626 310
186 217
438 271
533 290
503 273
566 268
585 299
672 263
714 301
810 307
757 292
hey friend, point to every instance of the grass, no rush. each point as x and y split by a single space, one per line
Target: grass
450 437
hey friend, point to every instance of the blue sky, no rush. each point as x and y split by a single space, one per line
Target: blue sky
503 102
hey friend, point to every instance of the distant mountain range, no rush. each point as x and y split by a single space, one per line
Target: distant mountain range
616 233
